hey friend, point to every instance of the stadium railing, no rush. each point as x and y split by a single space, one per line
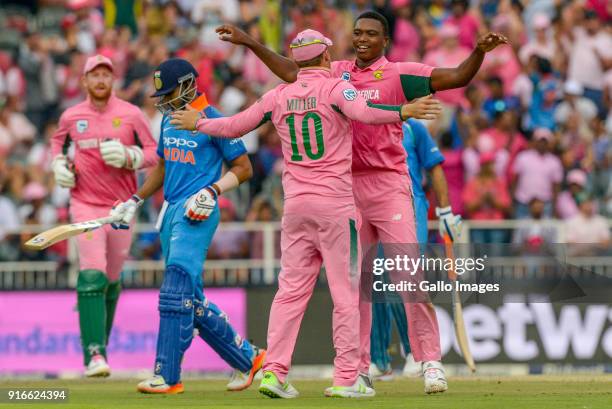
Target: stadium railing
61 274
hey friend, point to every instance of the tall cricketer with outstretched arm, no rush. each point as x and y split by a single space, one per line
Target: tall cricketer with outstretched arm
190 171
320 222
380 179
112 139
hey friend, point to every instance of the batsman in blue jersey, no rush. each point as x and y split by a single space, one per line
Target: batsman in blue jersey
422 154
190 171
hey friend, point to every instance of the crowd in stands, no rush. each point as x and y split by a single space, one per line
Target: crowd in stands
529 138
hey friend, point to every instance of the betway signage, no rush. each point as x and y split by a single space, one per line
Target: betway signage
532 332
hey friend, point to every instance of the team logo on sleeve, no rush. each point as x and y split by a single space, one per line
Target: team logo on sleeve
378 74
346 76
349 94
82 125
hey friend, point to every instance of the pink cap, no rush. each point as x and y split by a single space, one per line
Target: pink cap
308 44
541 21
577 176
542 134
80 4
34 191
96 60
448 31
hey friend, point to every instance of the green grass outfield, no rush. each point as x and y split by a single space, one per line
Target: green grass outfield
529 392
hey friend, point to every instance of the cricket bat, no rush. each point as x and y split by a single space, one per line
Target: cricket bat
460 332
59 233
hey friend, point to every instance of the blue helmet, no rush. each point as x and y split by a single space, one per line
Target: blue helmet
173 73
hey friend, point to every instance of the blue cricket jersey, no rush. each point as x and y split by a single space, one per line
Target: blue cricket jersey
422 153
193 159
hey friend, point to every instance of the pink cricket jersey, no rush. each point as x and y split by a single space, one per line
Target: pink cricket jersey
84 125
379 147
311 116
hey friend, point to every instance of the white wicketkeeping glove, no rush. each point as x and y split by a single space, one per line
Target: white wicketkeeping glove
199 206
124 212
450 223
62 173
117 155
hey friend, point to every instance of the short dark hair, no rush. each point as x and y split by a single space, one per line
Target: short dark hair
375 16
313 62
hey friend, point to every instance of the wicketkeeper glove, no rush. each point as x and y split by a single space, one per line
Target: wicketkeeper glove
124 212
199 206
117 155
450 223
62 173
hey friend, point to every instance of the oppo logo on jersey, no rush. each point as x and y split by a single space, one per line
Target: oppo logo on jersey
177 154
169 141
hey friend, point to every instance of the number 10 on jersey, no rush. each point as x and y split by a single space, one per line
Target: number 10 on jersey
295 151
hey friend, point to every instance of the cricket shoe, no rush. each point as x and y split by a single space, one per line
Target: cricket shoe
242 380
433 373
97 367
376 373
360 389
157 384
411 368
271 387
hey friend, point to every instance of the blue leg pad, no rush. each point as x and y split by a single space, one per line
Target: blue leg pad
214 328
175 323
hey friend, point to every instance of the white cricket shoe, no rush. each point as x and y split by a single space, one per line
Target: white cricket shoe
360 389
157 385
411 368
376 373
97 368
242 380
273 388
433 373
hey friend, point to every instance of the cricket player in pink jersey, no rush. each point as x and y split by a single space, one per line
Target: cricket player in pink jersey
320 221
111 139
381 183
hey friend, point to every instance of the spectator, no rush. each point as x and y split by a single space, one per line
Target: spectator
575 104
546 90
535 234
537 174
406 38
467 24
453 170
228 244
450 53
498 102
566 202
486 197
588 46
587 231
543 45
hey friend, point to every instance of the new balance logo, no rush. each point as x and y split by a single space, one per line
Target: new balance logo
397 217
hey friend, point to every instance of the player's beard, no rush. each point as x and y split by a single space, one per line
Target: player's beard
98 93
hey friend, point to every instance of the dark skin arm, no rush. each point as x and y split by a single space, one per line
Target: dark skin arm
440 187
448 78
241 167
283 67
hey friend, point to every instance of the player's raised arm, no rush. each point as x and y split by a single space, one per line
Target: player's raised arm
447 78
283 67
227 127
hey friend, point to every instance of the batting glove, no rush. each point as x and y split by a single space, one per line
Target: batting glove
199 206
117 155
450 224
62 173
123 212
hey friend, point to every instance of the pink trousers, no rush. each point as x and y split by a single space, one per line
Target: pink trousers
384 201
104 249
317 231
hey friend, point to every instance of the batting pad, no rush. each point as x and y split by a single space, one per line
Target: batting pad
91 289
175 323
214 328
